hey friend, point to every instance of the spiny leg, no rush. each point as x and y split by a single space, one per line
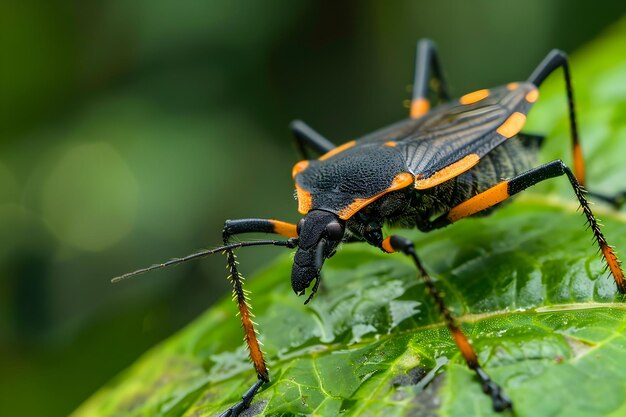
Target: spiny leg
233 227
250 337
499 399
246 399
550 63
507 188
306 137
426 60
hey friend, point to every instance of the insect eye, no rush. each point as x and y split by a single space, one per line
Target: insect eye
299 226
334 231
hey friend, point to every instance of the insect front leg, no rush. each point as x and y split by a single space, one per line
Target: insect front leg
427 67
233 227
558 59
240 226
306 137
499 399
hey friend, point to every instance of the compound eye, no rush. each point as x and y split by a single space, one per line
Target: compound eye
334 230
299 226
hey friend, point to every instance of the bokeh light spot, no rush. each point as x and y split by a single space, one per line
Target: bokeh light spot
89 200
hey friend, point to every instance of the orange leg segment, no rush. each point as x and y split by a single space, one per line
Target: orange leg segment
550 63
240 296
500 401
426 61
507 188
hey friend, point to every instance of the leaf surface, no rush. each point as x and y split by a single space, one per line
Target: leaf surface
526 283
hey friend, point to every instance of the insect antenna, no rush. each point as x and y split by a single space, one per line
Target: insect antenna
291 243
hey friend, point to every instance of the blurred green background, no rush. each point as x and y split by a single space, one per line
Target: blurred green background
130 130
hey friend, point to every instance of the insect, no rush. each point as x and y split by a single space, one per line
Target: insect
461 158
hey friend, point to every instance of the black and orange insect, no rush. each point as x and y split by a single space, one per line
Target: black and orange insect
461 158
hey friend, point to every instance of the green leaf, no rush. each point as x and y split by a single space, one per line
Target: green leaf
526 283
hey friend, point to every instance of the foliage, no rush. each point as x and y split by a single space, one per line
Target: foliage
526 283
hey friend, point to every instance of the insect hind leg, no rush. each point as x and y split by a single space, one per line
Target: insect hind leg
507 188
554 60
558 59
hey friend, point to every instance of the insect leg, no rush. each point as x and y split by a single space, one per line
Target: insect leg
232 227
555 59
305 137
617 200
426 60
500 401
550 63
246 399
507 188
239 226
